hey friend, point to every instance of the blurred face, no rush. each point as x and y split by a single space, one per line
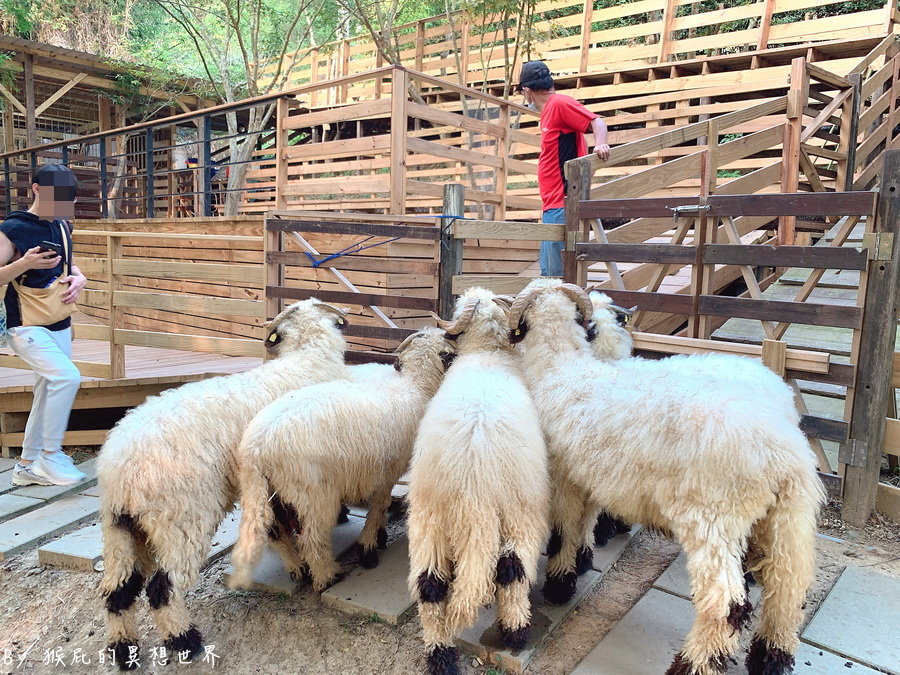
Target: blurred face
56 199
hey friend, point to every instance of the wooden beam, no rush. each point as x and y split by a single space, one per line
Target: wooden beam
765 24
399 96
868 419
59 93
12 99
30 125
790 172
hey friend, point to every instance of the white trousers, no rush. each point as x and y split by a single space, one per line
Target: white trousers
56 381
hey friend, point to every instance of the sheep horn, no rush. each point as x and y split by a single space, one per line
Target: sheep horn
581 299
627 312
519 306
407 341
457 326
504 301
331 308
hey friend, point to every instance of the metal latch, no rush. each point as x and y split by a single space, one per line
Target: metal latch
880 245
689 208
853 453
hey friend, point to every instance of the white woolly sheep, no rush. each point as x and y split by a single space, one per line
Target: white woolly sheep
166 472
478 489
682 447
338 441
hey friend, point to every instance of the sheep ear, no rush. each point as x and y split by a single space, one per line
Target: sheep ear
591 331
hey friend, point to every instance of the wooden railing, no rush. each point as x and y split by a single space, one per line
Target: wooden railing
579 37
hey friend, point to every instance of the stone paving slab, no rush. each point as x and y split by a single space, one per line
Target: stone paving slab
381 591
50 492
13 505
7 463
482 638
93 491
80 550
270 575
675 580
860 619
29 529
6 482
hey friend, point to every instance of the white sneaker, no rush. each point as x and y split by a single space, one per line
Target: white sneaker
23 475
65 462
54 471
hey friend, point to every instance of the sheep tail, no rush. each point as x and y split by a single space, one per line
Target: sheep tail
256 521
786 537
477 549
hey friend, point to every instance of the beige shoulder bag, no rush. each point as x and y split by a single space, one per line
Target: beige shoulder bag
44 306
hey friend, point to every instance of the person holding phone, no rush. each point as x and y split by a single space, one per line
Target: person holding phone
33 244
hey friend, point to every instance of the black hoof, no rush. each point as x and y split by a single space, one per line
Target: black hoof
554 546
301 576
343 515
368 557
381 539
739 614
584 560
621 526
558 590
127 655
443 661
681 666
185 646
514 640
604 529
432 588
764 659
509 569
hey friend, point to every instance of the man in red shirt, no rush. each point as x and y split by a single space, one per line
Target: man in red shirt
564 121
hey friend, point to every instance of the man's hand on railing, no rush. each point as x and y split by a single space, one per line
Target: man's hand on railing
602 151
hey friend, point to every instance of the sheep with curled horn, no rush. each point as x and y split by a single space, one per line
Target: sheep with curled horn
682 448
166 473
479 488
333 443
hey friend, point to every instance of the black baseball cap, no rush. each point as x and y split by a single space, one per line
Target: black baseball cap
58 176
533 71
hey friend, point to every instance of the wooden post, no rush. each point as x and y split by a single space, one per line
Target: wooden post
399 94
30 115
862 452
281 162
273 242
113 284
586 22
665 33
765 24
790 159
345 68
464 52
578 175
774 354
9 129
451 255
420 44
503 147
314 77
849 136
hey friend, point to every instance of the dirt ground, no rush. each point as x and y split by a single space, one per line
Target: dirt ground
46 612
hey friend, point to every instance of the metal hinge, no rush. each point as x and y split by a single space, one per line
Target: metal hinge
853 453
880 245
689 208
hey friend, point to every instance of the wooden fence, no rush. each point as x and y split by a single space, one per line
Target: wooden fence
716 244
590 36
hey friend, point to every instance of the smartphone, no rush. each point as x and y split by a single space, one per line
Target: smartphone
48 246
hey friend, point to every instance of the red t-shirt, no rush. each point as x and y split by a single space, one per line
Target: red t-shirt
564 121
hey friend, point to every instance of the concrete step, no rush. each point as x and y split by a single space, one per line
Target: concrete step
13 505
83 549
482 639
381 591
27 530
270 575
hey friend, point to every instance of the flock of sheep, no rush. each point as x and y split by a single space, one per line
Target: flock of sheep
520 421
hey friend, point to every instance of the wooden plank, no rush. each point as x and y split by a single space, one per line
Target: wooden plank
492 229
892 437
821 257
777 310
58 94
438 116
794 204
749 145
190 343
189 304
670 303
501 285
651 207
12 99
360 229
377 332
454 153
357 111
356 262
399 144
826 76
367 145
824 428
640 253
887 500
365 299
162 269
